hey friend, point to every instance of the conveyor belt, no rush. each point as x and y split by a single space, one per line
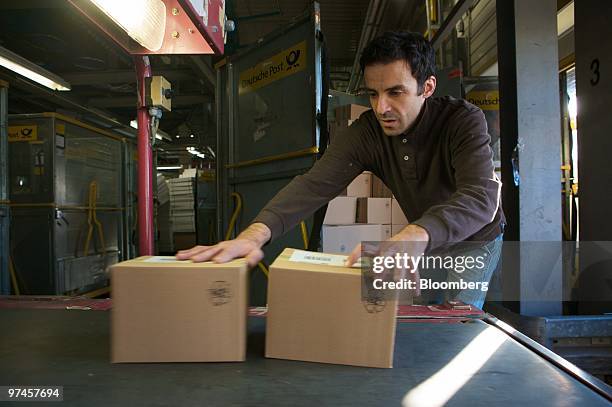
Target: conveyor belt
464 364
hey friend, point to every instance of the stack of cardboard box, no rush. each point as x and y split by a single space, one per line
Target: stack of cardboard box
398 219
345 116
182 212
164 221
364 214
182 204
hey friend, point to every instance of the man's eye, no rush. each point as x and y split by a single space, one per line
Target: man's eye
395 92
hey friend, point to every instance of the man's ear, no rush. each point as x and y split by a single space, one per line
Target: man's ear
429 86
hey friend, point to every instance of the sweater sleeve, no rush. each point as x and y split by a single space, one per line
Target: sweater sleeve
339 165
476 200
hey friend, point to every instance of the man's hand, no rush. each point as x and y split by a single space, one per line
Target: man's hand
248 244
416 235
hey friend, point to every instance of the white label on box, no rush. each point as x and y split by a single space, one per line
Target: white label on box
301 256
163 259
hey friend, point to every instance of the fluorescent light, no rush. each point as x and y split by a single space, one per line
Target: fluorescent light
134 123
143 20
171 167
30 70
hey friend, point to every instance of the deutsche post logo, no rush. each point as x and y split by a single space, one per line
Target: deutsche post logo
22 133
374 305
292 59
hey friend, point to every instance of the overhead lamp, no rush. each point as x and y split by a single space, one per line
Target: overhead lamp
161 27
143 20
170 167
30 70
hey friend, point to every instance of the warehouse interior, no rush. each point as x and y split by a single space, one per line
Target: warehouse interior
116 145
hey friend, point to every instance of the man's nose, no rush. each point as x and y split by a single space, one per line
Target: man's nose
382 106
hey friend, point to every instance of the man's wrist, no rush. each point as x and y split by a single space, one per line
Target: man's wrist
413 233
258 233
419 233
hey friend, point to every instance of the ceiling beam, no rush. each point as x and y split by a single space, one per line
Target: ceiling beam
123 76
130 101
31 4
206 70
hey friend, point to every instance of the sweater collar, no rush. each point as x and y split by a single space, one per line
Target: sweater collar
418 123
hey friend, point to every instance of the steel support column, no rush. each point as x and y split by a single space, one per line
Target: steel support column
531 136
594 96
145 162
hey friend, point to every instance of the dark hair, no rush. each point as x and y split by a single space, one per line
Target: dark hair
402 45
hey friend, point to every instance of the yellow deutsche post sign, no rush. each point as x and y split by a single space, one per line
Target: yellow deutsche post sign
287 62
22 133
484 99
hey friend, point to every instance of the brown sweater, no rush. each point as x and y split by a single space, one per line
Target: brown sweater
440 171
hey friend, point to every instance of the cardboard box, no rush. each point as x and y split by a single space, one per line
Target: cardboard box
386 232
166 310
379 189
397 214
361 186
374 210
343 239
316 314
341 211
349 112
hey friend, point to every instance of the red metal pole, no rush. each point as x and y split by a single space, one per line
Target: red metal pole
145 162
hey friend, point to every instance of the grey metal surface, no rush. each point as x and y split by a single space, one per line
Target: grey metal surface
59 167
130 198
3 143
4 209
71 349
50 181
48 249
594 93
272 120
530 117
593 68
206 215
5 285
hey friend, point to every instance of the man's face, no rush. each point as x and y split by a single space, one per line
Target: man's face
394 95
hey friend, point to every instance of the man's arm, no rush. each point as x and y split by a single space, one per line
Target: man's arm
477 198
340 164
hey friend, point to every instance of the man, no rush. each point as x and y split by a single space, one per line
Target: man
433 153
